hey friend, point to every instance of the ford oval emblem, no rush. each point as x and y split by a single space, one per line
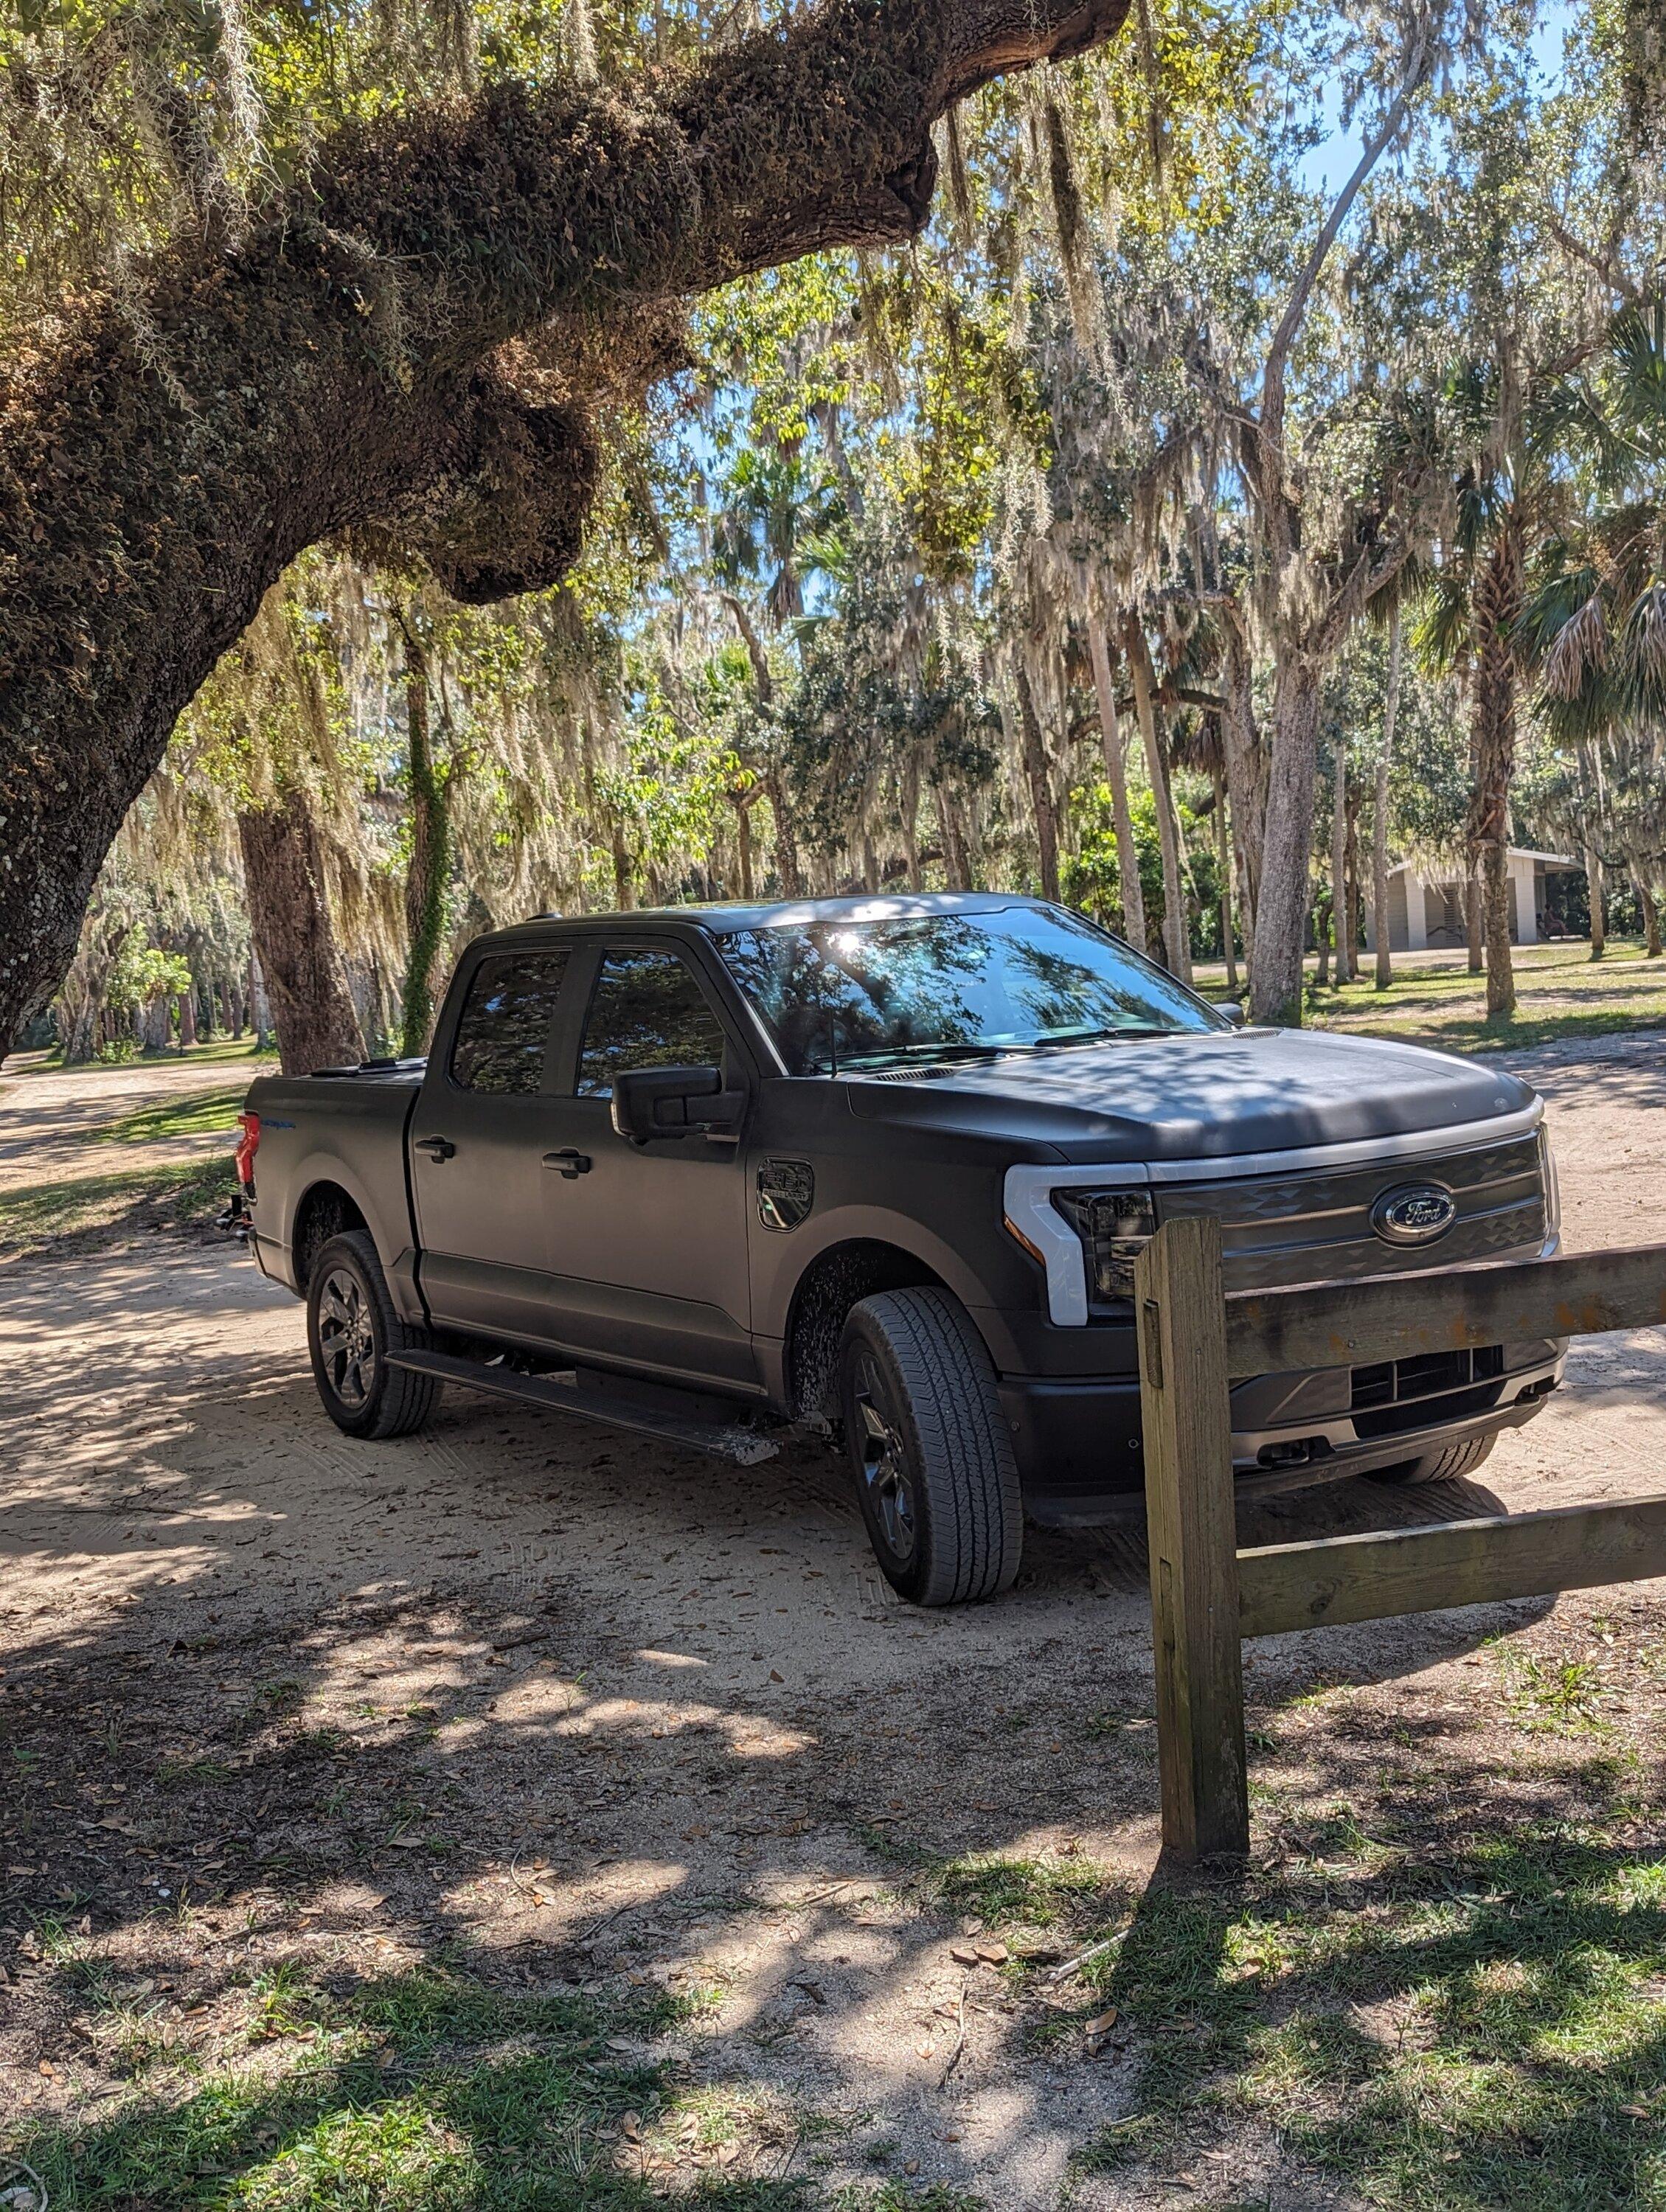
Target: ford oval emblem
1415 1213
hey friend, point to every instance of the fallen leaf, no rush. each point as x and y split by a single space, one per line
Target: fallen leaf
966 1953
994 1954
1101 2023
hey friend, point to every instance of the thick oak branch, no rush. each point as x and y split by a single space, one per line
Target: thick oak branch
418 340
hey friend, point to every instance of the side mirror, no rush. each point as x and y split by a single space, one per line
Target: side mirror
1233 1011
671 1102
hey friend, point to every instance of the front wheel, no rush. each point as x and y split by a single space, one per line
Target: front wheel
936 1477
352 1327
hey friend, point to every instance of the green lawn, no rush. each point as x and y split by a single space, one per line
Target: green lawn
433 2091
192 1114
1437 2033
1562 993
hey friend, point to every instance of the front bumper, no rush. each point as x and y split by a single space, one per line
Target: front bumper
1079 1445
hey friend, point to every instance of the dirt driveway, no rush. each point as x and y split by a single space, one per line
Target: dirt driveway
601 1720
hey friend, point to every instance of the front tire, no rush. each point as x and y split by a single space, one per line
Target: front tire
936 1477
351 1328
1453 1463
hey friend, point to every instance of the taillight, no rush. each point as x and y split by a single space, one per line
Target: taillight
248 1145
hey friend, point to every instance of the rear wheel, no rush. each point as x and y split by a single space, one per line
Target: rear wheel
351 1329
1450 1464
936 1477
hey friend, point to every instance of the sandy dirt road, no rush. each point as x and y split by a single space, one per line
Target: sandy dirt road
579 1702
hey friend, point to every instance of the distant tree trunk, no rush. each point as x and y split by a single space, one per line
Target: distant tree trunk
1246 772
301 959
1650 914
1275 974
1039 777
1176 933
260 1004
957 856
1379 827
430 871
909 799
1323 909
1116 775
1339 868
1590 785
188 1017
624 896
1223 870
786 843
1496 610
743 842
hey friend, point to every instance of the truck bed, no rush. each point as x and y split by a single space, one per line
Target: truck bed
342 1128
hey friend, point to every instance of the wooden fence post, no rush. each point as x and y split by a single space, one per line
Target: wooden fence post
1193 1536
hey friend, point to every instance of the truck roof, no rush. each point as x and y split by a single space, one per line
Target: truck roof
723 919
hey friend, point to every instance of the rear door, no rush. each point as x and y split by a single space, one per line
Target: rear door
478 1139
647 1243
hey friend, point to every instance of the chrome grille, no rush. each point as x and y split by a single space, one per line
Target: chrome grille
1316 1227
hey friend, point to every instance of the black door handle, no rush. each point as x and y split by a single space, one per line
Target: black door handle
568 1163
437 1148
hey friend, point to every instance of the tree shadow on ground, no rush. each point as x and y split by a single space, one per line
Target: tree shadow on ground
1469 2031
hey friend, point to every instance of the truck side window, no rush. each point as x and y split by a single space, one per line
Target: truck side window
648 1011
504 1029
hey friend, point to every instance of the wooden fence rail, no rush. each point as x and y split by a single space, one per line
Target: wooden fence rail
1206 1594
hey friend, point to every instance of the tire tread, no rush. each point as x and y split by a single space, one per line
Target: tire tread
975 1506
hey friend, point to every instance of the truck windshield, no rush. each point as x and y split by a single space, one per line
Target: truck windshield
858 995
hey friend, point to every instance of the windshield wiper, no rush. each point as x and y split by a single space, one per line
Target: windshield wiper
887 1053
1057 1039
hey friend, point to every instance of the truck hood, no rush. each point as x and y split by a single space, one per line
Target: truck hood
1200 1097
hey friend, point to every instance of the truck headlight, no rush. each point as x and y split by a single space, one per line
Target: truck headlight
1553 1186
1113 1225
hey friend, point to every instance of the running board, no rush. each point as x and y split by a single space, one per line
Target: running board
729 1440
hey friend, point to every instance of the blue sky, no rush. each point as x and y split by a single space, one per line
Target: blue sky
1331 162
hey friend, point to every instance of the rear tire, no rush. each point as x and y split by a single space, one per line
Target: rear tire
1451 1464
351 1328
936 1477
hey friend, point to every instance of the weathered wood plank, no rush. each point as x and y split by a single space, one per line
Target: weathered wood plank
1341 1578
1444 1309
1192 1537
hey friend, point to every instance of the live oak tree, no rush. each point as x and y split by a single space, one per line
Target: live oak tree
423 331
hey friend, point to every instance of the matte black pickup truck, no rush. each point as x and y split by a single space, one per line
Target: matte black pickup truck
879 1167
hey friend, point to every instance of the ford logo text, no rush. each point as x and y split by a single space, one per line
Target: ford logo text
1415 1213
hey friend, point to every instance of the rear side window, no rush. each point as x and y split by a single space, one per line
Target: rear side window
504 1032
648 1011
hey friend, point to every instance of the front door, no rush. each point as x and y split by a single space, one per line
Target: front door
478 1140
647 1241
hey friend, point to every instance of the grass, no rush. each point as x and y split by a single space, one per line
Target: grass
1010 1892
233 1051
432 2091
195 1113
92 1210
1561 992
1435 2037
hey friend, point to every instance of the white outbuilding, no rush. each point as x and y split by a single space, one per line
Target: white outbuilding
1425 902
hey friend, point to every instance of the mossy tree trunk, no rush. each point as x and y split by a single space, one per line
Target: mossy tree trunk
428 875
300 958
382 350
1498 609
